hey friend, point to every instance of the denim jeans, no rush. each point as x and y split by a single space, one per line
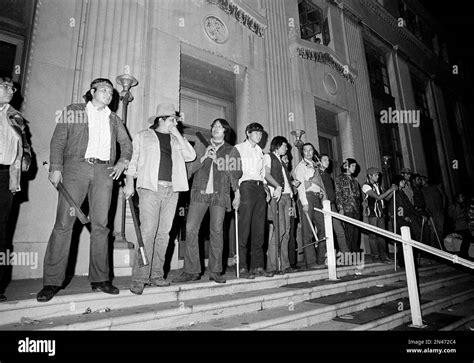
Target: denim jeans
284 205
339 232
81 179
196 213
252 216
157 210
317 219
378 245
352 233
6 199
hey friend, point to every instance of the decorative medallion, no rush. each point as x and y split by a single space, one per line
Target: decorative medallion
330 84
216 29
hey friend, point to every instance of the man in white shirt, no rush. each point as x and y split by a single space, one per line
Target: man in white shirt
311 193
15 158
278 179
83 158
250 201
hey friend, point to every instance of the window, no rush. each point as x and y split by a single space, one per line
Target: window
313 26
415 24
388 134
378 72
420 95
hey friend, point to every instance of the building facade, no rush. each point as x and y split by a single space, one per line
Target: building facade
364 79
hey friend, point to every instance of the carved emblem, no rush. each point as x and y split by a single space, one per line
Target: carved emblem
216 29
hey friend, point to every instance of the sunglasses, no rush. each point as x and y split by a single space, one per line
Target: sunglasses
8 87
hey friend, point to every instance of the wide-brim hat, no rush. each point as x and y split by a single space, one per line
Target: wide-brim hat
371 171
163 109
406 170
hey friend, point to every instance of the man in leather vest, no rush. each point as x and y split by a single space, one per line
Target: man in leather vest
278 179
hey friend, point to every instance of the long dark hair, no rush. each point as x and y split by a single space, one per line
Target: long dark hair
225 125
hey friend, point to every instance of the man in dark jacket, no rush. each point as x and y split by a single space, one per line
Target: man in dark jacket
15 157
216 169
83 157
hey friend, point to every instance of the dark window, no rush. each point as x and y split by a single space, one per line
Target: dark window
7 60
419 91
378 72
415 24
313 26
388 134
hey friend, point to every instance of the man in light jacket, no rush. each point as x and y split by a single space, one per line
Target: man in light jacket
158 163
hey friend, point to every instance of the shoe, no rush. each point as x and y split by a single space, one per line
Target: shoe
315 266
386 260
288 270
214 276
245 274
104 286
137 287
261 272
159 281
3 298
185 277
47 293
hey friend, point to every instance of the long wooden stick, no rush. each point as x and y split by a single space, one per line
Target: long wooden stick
237 262
143 261
64 192
395 229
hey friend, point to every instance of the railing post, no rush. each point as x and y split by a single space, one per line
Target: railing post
331 255
412 284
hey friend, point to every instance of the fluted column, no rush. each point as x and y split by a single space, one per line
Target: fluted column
278 70
113 43
363 96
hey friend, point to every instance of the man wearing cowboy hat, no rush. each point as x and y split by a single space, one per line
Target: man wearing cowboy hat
158 163
15 157
83 158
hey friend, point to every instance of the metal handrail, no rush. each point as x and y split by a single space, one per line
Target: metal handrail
435 251
407 243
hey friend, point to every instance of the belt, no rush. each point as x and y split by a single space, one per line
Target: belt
4 167
165 183
257 182
96 161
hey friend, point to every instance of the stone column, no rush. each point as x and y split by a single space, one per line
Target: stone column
281 107
355 46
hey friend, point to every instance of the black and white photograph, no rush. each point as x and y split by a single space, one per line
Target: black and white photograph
237 180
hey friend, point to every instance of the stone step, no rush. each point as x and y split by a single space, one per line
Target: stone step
175 313
435 304
322 309
75 304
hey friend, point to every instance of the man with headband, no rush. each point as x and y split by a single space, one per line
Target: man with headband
83 157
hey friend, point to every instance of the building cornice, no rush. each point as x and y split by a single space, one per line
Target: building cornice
388 18
242 15
313 53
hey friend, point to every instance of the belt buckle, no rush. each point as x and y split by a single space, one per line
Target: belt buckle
91 160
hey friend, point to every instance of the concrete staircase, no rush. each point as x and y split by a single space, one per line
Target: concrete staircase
374 297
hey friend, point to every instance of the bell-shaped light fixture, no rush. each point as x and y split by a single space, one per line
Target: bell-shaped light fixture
298 134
